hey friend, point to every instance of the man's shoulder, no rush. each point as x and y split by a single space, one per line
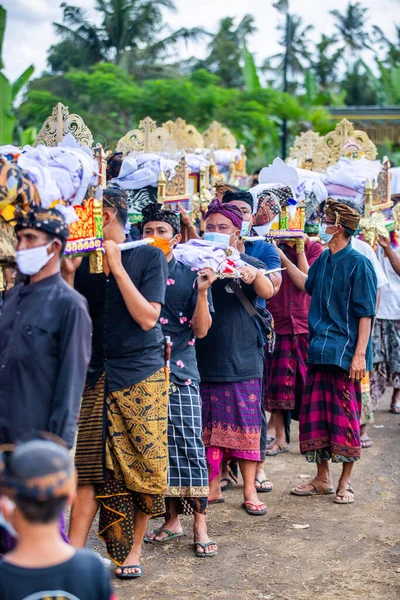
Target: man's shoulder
70 296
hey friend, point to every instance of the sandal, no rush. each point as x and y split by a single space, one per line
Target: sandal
270 439
204 546
395 409
227 485
368 443
279 450
254 513
316 491
124 575
340 499
217 501
263 490
170 536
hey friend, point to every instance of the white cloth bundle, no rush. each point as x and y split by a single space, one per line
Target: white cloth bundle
225 157
138 170
353 173
198 254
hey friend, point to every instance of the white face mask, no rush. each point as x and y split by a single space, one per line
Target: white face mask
30 261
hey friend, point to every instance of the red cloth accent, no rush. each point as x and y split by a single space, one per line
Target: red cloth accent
290 306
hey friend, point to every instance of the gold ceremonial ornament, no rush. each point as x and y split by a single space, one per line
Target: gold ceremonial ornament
303 149
373 227
59 124
396 215
186 137
218 137
147 138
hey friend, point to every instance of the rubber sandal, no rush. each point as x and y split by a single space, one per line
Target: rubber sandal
261 490
270 439
204 546
279 450
367 443
124 575
228 485
217 501
313 492
341 500
254 513
170 536
395 409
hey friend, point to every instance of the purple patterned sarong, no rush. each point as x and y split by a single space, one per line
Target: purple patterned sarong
232 421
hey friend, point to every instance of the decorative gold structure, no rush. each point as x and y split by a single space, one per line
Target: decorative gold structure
381 194
396 216
59 124
218 137
186 137
332 146
303 148
373 227
147 138
170 192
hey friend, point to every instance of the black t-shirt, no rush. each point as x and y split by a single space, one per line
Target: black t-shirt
120 347
83 577
176 317
230 350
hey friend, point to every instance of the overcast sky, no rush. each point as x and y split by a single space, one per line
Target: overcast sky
29 31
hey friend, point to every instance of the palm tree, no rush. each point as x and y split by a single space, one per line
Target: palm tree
129 32
350 27
226 50
300 56
392 48
324 65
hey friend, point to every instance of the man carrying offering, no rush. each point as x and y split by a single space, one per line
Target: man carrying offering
343 288
184 317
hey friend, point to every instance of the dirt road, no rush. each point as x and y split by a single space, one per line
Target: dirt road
346 553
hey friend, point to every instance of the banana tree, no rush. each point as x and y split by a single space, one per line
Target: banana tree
8 91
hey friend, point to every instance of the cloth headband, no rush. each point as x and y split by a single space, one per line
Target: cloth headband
114 197
154 212
342 214
230 211
48 220
240 196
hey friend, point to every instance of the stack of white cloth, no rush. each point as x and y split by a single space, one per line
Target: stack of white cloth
140 169
347 178
198 254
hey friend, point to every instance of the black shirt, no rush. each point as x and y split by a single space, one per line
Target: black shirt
83 577
121 348
176 317
230 351
45 333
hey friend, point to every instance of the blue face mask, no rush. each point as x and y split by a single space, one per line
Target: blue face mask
245 228
220 239
325 237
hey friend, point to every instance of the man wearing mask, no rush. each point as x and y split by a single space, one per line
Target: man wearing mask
343 289
184 317
46 333
230 360
121 453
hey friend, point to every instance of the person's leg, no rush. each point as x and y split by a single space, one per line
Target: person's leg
200 534
344 492
395 403
280 439
83 512
215 489
271 433
321 482
261 482
171 523
248 469
141 521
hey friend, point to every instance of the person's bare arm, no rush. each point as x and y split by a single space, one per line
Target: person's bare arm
201 320
358 366
145 313
187 220
298 277
69 266
276 279
391 254
261 284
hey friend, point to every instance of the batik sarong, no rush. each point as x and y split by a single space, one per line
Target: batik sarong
187 465
287 371
386 358
330 416
129 455
366 411
231 421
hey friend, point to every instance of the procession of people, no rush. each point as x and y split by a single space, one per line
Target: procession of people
158 373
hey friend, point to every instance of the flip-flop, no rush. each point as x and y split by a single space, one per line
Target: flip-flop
368 443
254 513
261 490
124 575
341 500
279 450
313 492
270 438
217 501
170 536
228 485
204 546
395 409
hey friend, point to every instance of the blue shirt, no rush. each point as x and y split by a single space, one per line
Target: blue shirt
343 289
268 254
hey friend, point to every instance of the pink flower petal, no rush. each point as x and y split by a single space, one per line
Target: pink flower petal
182 320
170 281
191 342
180 364
188 381
163 321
